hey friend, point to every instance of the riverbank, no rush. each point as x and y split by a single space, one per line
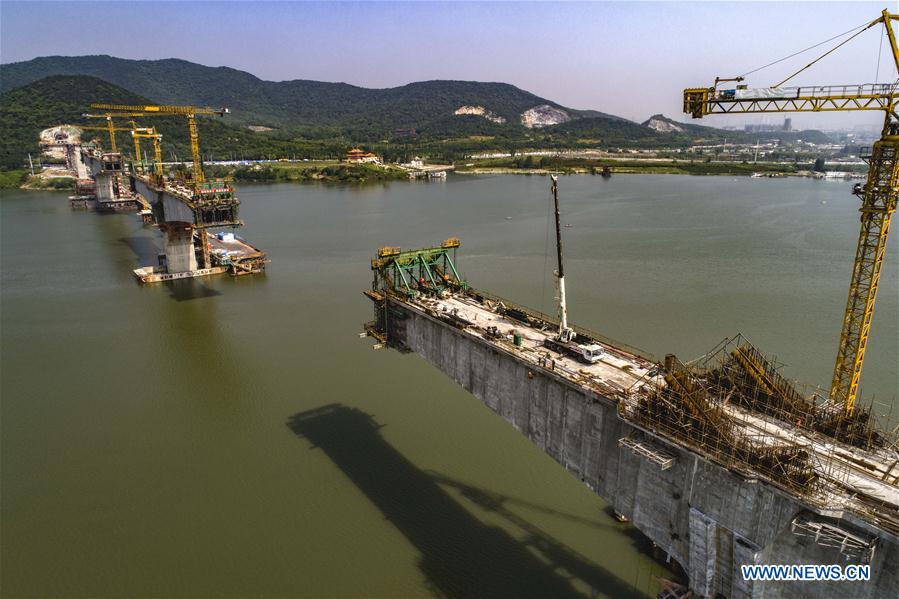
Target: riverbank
513 166
324 171
341 172
48 180
13 179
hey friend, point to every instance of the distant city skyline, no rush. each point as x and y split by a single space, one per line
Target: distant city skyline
629 59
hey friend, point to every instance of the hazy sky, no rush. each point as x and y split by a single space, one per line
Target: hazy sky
627 58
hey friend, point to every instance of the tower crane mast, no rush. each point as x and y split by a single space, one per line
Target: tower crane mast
111 130
191 112
138 155
878 195
110 126
150 133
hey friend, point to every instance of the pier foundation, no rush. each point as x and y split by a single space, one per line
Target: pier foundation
179 248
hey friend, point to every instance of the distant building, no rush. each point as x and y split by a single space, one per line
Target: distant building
357 156
788 124
761 128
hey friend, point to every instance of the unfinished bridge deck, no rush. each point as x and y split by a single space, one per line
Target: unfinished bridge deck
863 482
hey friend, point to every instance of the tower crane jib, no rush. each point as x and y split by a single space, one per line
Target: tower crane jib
878 195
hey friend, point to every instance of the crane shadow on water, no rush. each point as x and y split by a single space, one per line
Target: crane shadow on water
461 556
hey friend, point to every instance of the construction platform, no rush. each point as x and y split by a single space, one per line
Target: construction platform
227 252
238 256
208 205
158 274
123 204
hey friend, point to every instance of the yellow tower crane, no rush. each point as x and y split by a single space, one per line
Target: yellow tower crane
139 133
191 112
138 155
878 195
111 130
110 126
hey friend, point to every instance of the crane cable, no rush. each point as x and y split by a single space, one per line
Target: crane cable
805 50
845 41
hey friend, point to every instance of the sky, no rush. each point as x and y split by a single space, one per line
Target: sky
632 59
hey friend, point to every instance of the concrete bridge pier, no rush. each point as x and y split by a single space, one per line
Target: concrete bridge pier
106 183
176 221
179 247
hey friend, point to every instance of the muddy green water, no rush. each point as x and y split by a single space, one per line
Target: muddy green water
146 439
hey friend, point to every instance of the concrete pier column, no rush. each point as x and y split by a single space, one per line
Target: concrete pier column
179 247
106 186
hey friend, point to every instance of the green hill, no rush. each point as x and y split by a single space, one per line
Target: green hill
59 99
316 119
311 108
609 131
662 124
25 111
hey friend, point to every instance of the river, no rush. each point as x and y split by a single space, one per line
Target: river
146 446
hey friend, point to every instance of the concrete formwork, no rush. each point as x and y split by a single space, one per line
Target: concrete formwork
708 519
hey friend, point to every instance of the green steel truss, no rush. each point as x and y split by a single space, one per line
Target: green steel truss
410 272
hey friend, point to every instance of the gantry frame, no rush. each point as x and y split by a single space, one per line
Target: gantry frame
410 272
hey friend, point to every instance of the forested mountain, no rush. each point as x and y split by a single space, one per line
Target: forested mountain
441 119
299 105
62 99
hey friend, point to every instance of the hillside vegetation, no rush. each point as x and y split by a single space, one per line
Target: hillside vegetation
25 112
62 99
314 119
313 108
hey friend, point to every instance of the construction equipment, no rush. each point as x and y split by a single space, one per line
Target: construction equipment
409 272
110 128
138 155
878 194
191 112
150 133
566 335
